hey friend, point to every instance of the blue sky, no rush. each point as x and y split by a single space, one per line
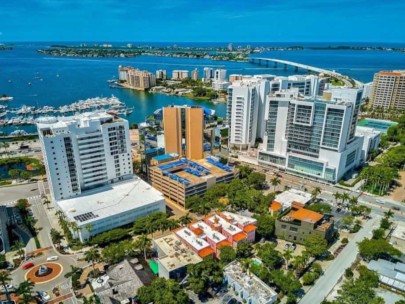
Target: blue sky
203 20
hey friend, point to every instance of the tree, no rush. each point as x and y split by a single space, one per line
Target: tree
92 256
227 254
73 271
385 223
143 243
4 280
56 237
316 245
25 289
337 196
244 250
269 255
265 225
378 233
136 166
88 227
244 171
162 291
275 182
320 208
287 282
116 252
315 192
347 221
256 180
14 173
185 219
19 247
374 248
204 275
287 255
345 197
22 205
388 214
353 201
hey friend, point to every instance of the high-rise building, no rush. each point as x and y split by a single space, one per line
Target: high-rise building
311 136
89 169
184 124
161 74
194 75
234 77
220 75
84 151
136 79
179 74
388 90
208 74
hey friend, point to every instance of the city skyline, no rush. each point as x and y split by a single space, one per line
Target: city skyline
181 21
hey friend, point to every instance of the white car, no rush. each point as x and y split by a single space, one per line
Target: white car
45 297
9 287
53 258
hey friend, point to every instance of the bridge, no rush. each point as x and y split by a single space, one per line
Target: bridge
347 80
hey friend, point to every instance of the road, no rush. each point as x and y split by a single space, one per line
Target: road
10 194
337 268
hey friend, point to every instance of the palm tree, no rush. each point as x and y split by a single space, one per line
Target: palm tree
275 182
345 197
337 196
56 237
315 192
88 227
185 219
4 279
143 243
287 255
60 214
75 228
388 214
47 203
92 256
73 271
19 247
25 290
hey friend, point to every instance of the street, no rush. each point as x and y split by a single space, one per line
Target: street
328 280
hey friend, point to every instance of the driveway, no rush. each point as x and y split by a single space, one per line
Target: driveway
337 268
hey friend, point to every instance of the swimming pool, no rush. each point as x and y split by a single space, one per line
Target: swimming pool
378 124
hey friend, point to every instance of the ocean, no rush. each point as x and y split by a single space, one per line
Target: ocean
81 78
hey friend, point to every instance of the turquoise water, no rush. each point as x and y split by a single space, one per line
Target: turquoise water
82 78
379 125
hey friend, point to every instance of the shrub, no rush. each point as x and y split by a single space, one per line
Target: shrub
345 241
309 278
348 273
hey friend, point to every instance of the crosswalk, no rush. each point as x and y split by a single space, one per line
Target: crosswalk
12 203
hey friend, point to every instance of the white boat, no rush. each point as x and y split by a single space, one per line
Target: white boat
6 98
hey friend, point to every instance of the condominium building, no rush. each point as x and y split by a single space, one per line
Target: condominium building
179 74
248 286
388 90
184 124
220 75
367 89
371 140
4 238
136 79
161 74
89 170
297 223
234 77
312 136
183 178
208 74
194 75
84 151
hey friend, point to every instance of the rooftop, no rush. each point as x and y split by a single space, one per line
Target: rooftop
255 287
391 274
399 231
305 215
109 200
286 198
210 233
176 254
193 240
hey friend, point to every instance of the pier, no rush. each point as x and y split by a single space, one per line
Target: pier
285 63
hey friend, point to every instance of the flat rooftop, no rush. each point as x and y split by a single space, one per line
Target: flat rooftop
176 254
288 197
194 241
195 171
255 287
109 200
213 235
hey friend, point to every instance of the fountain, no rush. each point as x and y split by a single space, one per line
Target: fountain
43 271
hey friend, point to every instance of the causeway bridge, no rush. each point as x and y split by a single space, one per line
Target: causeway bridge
276 62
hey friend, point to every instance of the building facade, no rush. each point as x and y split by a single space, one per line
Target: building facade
194 75
208 74
136 79
83 152
179 74
388 91
161 74
311 136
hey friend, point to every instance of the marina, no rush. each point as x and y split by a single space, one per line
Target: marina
30 115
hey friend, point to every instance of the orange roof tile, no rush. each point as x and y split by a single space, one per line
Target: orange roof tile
224 243
389 73
249 228
306 215
205 252
275 206
297 205
239 237
197 231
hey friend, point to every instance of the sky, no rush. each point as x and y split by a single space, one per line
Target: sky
203 20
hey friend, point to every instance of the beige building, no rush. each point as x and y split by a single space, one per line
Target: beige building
194 75
179 74
136 79
388 91
187 123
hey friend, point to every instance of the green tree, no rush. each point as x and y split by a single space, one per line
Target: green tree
320 208
56 237
92 256
265 225
347 221
378 233
14 173
162 291
374 248
227 254
287 256
185 219
256 180
337 196
316 245
204 275
4 280
143 243
244 171
244 250
287 282
385 223
22 205
136 166
315 192
19 248
269 255
25 289
275 182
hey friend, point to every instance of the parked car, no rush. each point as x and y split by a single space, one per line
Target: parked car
52 258
28 266
43 296
286 246
396 208
293 246
380 201
9 287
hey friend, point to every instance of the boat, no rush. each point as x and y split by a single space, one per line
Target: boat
6 98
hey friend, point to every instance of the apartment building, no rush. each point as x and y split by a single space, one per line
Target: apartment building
179 74
183 178
388 91
89 170
312 136
296 224
208 74
136 79
194 75
161 74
